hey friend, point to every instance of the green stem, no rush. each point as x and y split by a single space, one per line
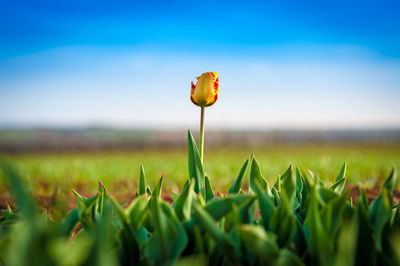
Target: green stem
201 144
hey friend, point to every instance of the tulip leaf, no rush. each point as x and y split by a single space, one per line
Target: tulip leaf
338 186
183 203
223 241
390 182
195 166
157 248
131 254
22 196
148 190
340 180
347 242
235 187
218 208
261 243
299 184
67 225
158 188
288 181
363 197
287 257
137 212
266 206
256 177
283 223
380 214
209 190
142 181
366 251
320 246
277 184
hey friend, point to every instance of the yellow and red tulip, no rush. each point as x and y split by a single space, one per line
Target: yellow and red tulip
205 92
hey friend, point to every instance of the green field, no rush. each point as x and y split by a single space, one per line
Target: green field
119 171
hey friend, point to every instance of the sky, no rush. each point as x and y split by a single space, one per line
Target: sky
283 64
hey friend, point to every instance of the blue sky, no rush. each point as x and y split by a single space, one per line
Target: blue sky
288 64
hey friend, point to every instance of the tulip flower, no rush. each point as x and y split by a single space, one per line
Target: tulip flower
204 94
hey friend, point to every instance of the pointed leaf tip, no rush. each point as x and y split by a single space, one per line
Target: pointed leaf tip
235 187
142 181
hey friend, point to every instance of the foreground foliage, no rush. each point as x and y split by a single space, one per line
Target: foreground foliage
298 221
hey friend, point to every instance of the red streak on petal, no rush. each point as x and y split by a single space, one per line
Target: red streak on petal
193 88
215 97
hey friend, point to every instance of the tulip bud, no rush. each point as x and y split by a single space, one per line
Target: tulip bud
205 92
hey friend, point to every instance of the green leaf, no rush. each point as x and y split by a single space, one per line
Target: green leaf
209 190
137 212
222 240
261 243
396 218
176 233
326 195
218 208
287 257
120 211
234 232
130 251
266 205
366 253
197 260
158 187
390 182
288 181
183 204
148 190
283 223
276 196
69 222
347 243
339 184
65 253
316 179
235 187
380 214
195 166
277 184
101 198
157 248
287 173
299 184
332 214
174 197
320 246
256 177
142 181
363 197
22 196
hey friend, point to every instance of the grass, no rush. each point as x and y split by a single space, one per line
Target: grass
119 171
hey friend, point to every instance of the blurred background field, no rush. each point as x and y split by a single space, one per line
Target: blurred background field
366 164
